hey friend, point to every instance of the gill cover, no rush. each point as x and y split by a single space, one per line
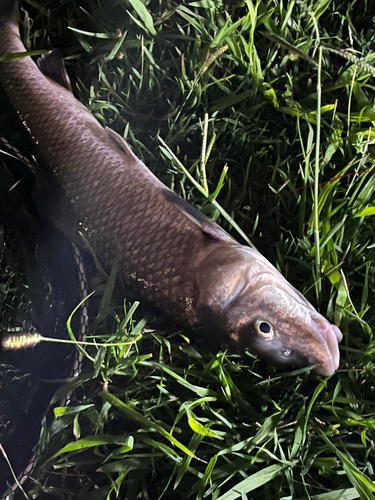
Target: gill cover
246 297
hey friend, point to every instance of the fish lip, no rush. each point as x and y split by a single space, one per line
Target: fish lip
331 336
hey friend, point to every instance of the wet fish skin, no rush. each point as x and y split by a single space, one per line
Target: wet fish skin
172 256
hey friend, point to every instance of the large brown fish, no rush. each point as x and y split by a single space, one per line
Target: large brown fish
172 256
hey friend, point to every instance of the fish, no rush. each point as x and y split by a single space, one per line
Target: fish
170 256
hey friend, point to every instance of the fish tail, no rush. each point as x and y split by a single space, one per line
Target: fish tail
9 10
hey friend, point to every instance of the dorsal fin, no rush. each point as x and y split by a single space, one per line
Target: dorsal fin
121 143
52 65
210 228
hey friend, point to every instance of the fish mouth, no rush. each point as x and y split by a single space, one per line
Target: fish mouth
331 336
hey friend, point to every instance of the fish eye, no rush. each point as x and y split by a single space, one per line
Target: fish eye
264 329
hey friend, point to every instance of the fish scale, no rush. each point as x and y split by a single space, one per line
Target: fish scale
171 255
80 163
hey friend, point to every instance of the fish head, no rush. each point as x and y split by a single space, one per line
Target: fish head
263 313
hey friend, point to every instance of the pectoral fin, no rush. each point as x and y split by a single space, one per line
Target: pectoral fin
197 217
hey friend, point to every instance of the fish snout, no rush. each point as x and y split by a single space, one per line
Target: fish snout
331 336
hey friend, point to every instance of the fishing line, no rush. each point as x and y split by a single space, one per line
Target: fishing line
350 174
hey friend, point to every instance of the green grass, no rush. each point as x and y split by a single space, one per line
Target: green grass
269 107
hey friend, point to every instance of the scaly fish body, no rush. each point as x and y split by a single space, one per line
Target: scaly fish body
172 256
